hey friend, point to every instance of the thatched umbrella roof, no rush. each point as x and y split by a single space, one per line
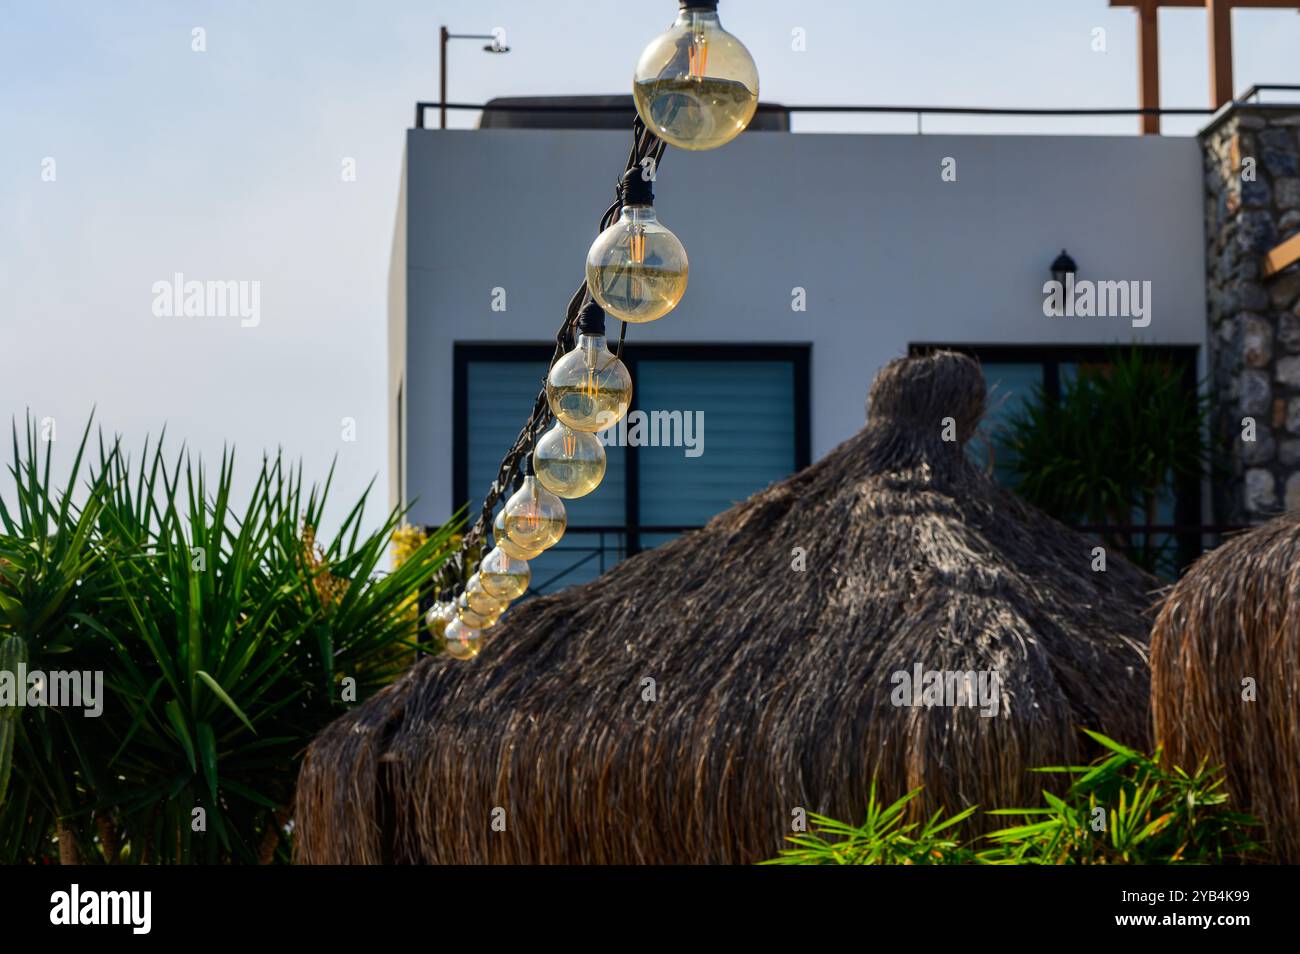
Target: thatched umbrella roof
1235 616
772 685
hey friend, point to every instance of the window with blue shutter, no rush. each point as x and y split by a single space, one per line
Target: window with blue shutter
739 415
702 434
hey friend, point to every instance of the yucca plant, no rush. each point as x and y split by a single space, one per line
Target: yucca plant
51 575
885 837
228 636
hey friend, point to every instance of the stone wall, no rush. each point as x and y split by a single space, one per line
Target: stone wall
1252 163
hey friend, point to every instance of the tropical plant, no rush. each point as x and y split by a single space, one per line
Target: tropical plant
1124 808
50 574
885 837
1122 437
228 636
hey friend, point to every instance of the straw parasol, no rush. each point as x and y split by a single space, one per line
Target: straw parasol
1225 662
688 704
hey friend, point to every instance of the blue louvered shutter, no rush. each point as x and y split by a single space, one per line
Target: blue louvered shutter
747 409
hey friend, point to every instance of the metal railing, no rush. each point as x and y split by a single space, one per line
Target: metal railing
1252 96
920 112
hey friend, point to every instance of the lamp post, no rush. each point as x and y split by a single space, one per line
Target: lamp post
496 46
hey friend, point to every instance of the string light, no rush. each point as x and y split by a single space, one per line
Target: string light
439 615
503 576
636 268
589 388
695 87
534 517
481 601
569 463
462 642
471 617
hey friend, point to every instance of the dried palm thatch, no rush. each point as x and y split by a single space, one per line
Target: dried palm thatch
772 684
1235 616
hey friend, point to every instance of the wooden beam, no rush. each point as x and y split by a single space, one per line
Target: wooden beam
1219 13
1256 4
1281 256
1149 65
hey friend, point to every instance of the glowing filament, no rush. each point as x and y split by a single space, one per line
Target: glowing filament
698 55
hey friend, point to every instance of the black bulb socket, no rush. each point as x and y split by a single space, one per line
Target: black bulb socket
591 319
698 4
635 188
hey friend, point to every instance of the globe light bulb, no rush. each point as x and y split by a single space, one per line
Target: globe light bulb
481 601
503 576
569 463
535 518
505 544
696 86
472 617
589 389
462 642
636 268
436 620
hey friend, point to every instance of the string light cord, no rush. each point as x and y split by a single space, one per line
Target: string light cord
646 153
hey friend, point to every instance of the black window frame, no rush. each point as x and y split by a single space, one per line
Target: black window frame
466 352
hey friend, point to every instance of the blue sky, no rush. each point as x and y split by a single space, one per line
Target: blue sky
226 164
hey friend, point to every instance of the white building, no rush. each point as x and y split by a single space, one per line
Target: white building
814 260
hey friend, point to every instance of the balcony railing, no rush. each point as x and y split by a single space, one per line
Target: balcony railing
919 112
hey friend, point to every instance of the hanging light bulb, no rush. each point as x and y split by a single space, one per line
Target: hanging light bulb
503 576
569 463
696 86
535 518
481 601
439 615
589 389
636 268
462 641
472 617
504 543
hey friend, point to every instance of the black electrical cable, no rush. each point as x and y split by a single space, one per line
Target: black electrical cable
646 153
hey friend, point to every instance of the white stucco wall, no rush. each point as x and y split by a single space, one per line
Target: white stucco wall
889 253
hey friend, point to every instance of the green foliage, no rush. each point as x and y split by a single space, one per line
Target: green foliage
885 837
227 637
1120 440
1124 808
